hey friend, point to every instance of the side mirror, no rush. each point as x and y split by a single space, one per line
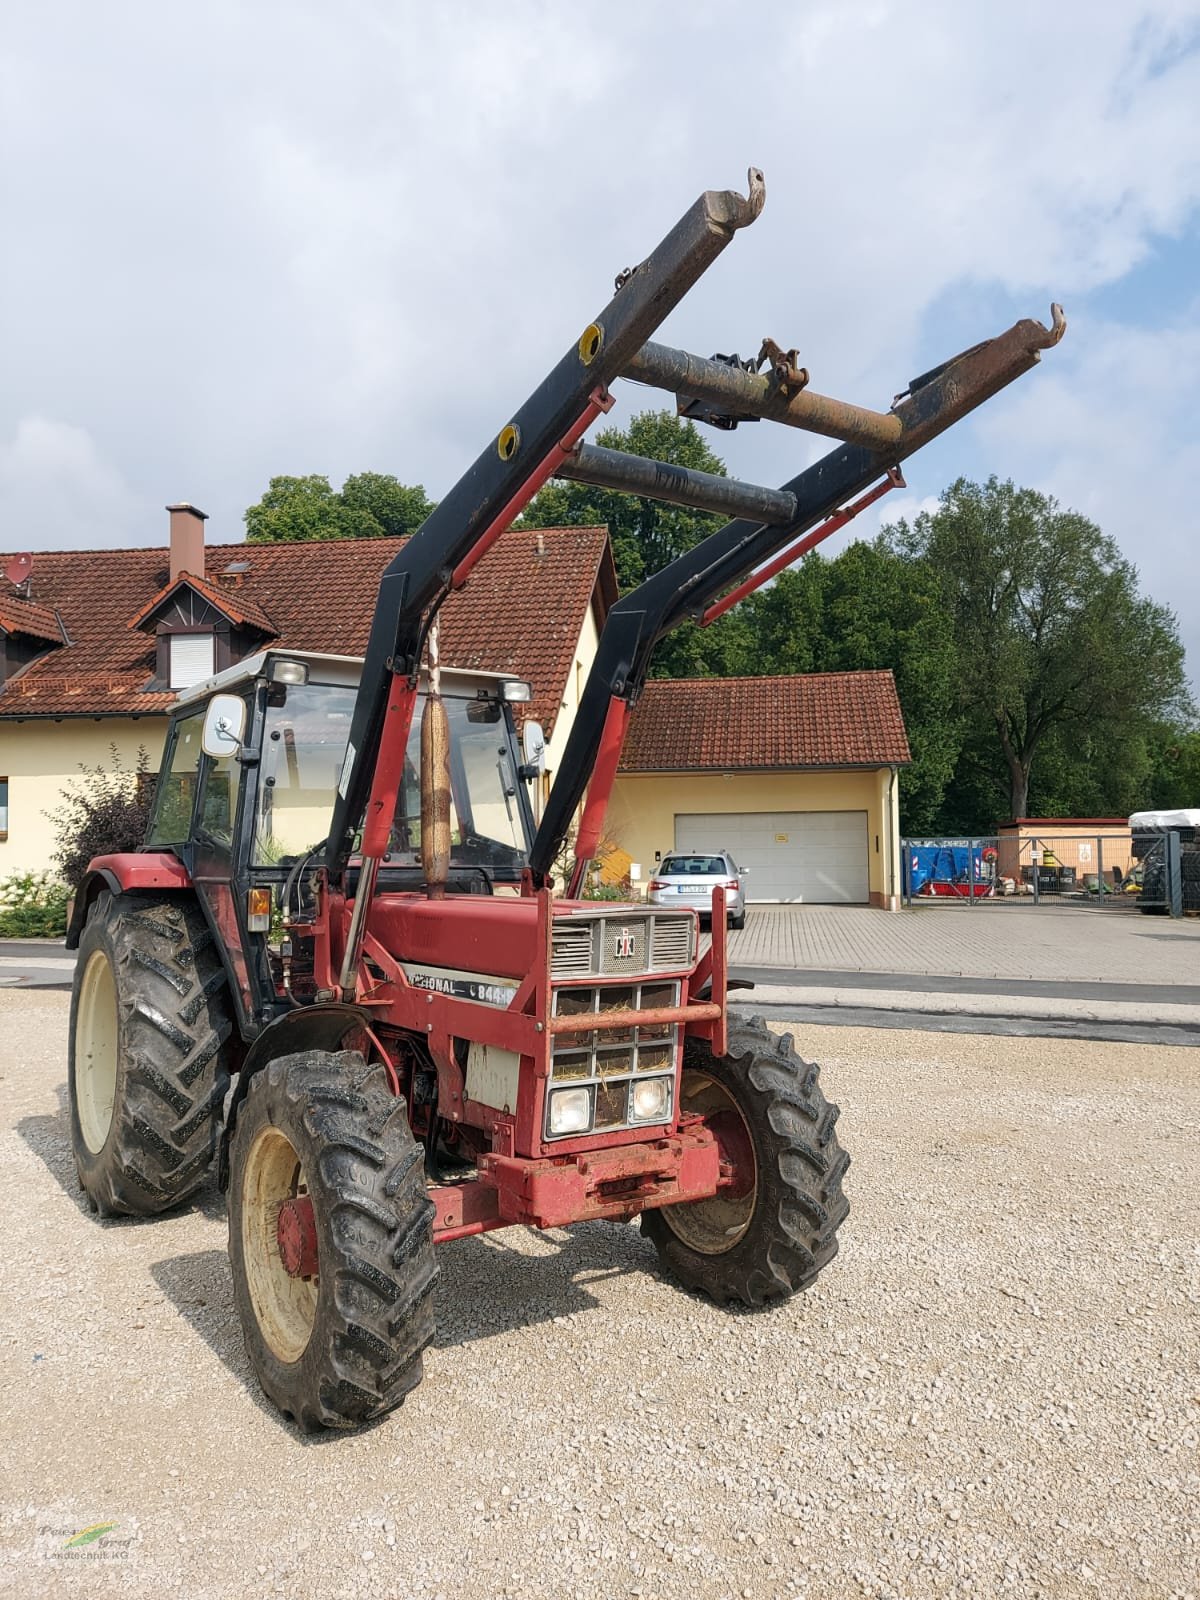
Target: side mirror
224 725
533 747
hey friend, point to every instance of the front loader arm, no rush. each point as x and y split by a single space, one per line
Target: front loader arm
687 586
493 492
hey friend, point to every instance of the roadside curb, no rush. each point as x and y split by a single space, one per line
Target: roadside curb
1017 1007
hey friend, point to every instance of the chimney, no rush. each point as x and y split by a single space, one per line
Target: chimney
187 540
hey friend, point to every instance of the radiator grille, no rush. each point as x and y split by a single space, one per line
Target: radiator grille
671 945
605 1065
622 945
572 953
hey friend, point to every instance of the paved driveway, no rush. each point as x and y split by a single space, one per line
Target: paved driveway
993 941
986 941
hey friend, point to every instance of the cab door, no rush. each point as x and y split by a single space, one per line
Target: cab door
213 866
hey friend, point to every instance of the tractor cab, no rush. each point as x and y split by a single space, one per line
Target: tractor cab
249 776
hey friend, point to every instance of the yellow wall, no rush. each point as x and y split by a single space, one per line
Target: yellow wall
40 759
585 653
641 814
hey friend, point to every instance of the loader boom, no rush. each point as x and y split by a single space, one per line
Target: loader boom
687 586
495 489
545 439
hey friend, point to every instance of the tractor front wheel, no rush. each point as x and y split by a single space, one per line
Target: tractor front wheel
772 1230
330 1239
146 1053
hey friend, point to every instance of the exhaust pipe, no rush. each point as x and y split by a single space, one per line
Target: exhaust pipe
435 779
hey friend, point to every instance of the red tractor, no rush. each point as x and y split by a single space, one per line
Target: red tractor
338 963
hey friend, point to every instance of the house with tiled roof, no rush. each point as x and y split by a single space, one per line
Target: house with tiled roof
796 777
95 644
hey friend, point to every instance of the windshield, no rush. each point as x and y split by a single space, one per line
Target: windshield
694 867
307 729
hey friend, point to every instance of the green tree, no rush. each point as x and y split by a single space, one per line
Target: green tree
785 621
1054 640
1173 782
371 505
881 610
869 608
398 508
645 534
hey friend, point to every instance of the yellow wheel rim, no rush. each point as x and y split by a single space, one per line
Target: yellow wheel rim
96 1051
284 1307
714 1226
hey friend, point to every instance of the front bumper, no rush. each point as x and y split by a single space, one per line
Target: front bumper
616 1181
661 900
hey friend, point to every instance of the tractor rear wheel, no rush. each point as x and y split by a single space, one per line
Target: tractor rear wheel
330 1239
149 1020
770 1234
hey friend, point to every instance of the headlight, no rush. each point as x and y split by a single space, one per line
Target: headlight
288 671
651 1101
570 1110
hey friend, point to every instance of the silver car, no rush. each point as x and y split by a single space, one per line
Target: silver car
690 876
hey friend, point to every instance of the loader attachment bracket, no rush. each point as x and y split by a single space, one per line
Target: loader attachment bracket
733 558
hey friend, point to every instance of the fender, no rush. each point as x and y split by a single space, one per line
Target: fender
123 874
315 1027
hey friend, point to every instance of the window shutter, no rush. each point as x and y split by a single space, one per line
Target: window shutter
191 658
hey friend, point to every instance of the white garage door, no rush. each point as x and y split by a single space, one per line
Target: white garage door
818 857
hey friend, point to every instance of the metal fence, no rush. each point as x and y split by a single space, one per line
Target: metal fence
1105 872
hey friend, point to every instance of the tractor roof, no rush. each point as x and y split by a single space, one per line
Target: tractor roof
330 669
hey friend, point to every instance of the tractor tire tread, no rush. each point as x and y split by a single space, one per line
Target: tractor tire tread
375 1313
172 1074
799 1207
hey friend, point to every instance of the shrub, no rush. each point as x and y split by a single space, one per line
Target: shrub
607 891
103 812
33 905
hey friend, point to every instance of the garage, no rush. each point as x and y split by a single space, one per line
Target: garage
813 857
797 777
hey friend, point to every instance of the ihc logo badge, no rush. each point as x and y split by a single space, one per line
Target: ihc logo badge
624 945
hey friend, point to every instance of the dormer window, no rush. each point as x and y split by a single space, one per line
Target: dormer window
27 631
192 658
200 630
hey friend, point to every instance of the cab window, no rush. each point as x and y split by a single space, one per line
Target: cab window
171 821
219 806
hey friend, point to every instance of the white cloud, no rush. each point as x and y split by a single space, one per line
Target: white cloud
59 492
250 240
1110 431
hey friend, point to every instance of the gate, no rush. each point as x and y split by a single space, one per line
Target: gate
1105 872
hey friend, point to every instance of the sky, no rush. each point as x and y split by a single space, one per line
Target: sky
247 239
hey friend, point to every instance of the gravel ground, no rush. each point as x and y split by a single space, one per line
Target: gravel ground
995 1390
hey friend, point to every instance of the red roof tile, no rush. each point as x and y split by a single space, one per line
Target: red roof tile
237 607
521 612
820 719
22 616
